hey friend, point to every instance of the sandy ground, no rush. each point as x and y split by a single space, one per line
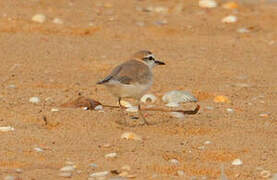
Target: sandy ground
60 62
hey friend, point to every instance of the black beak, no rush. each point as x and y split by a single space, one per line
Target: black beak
159 62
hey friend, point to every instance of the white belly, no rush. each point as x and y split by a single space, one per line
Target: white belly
135 91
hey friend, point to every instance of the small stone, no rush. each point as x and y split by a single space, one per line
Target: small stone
6 128
207 3
68 168
229 19
98 108
230 110
107 145
18 170
57 21
148 98
93 165
265 174
131 136
243 30
38 149
177 115
126 168
160 9
178 97
207 142
237 162
221 99
39 18
67 174
161 22
111 155
34 100
12 86
180 173
9 177
99 174
174 161
264 115
54 110
201 147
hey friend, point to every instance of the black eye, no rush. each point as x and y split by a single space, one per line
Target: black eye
151 58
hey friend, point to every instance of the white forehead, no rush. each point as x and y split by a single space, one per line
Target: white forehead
150 55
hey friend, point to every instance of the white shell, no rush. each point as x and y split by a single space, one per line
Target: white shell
111 155
57 21
54 109
38 149
207 3
237 162
229 19
178 97
6 128
34 100
131 136
148 97
177 115
39 18
99 174
68 168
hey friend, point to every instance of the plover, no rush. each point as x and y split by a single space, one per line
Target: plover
132 78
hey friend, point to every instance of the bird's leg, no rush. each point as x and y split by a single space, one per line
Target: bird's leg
141 114
122 113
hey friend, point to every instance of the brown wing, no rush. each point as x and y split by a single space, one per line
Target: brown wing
130 72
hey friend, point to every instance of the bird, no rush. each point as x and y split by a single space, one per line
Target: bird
133 78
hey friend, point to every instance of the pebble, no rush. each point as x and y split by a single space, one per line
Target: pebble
229 19
264 115
34 100
174 161
243 30
131 136
65 174
68 168
111 155
160 9
265 174
177 115
93 165
9 177
172 104
180 173
230 110
207 142
132 109
126 168
221 99
161 22
12 86
237 162
99 174
6 128
98 108
39 18
38 149
207 3
57 21
148 98
18 170
178 96
55 110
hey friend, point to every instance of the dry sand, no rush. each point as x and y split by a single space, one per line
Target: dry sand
60 62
